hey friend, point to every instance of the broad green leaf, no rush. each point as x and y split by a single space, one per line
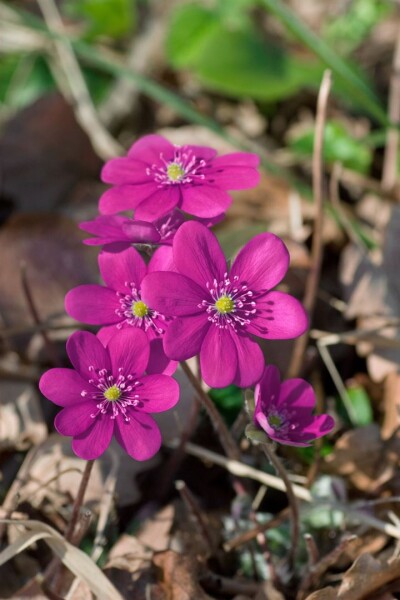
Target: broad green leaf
111 18
338 146
361 403
229 401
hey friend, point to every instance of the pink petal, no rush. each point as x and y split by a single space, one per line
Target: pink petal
262 263
184 336
204 152
286 317
204 201
129 350
250 361
140 437
106 333
267 391
119 268
159 361
172 294
62 386
149 148
198 255
124 171
162 260
233 178
74 420
92 304
93 442
161 202
125 197
140 232
297 393
218 358
157 393
84 351
236 159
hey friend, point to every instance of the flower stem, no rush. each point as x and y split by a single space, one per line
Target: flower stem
69 532
280 469
228 443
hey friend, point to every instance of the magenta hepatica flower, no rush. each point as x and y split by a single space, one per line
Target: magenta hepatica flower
119 304
157 176
284 410
219 312
107 394
111 229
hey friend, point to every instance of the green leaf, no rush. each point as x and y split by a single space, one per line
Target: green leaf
361 404
338 146
23 79
111 18
228 400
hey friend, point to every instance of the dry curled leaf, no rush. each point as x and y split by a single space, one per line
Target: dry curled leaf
21 419
179 576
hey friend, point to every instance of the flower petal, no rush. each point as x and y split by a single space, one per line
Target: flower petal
204 201
62 386
161 202
262 262
125 197
297 393
124 171
92 304
74 420
267 391
162 260
149 149
198 255
140 232
204 152
184 336
250 361
159 361
129 350
218 358
172 294
140 437
157 393
106 333
279 316
233 178
119 268
237 159
84 351
93 442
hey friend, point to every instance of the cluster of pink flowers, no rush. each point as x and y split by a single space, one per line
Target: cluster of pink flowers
185 302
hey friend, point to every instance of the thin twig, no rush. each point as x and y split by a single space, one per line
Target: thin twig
294 507
389 171
311 287
261 528
79 500
103 143
225 437
49 345
194 510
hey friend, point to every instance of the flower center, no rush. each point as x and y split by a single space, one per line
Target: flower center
275 420
140 309
112 393
224 305
175 171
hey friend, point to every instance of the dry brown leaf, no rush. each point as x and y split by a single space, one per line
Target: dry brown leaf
179 576
21 418
154 534
129 567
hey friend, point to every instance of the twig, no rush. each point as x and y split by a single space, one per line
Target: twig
312 549
225 437
78 500
389 171
261 528
78 94
194 510
242 470
316 250
49 345
294 507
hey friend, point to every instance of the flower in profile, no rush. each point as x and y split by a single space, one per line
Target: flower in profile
284 410
119 303
115 229
108 394
157 176
218 313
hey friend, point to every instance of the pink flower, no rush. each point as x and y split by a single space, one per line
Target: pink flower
157 176
217 312
112 229
108 394
284 411
119 304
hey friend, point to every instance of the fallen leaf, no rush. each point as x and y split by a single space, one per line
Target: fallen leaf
21 419
179 576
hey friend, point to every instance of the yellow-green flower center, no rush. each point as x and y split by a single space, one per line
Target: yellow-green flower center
175 172
275 420
140 309
224 305
112 393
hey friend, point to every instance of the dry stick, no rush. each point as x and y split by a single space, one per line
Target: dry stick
49 345
194 510
389 172
294 507
261 528
225 437
78 94
316 250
